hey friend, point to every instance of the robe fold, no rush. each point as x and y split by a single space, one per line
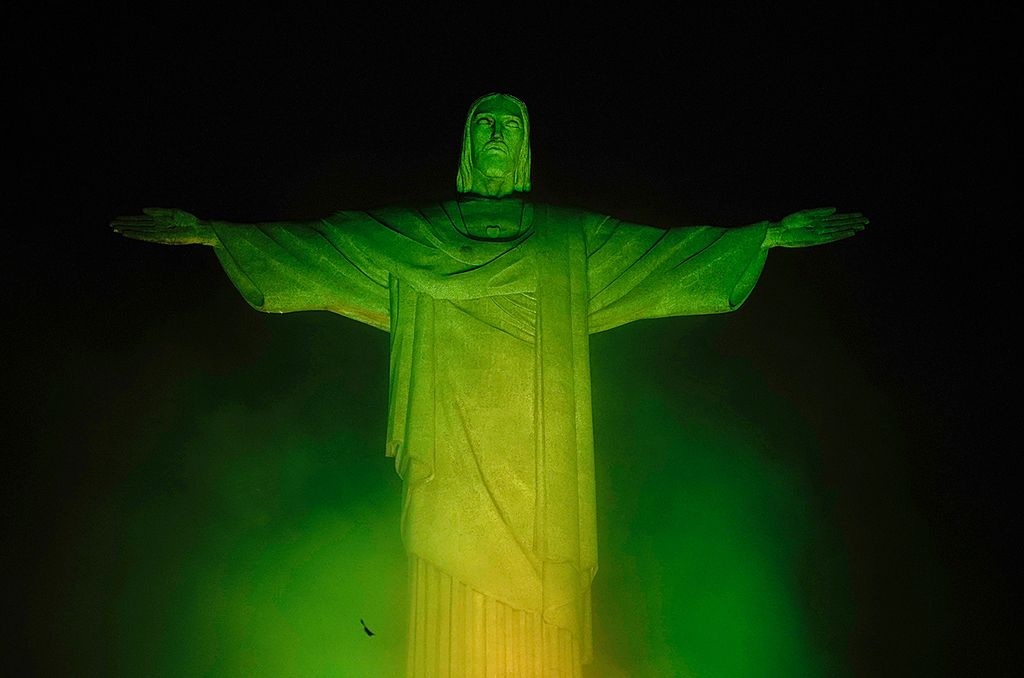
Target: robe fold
490 304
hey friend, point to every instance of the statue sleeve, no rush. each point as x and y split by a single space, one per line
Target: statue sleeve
285 267
636 272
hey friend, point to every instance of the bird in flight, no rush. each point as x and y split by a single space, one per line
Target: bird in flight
368 631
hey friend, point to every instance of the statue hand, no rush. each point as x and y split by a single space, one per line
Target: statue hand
807 228
167 226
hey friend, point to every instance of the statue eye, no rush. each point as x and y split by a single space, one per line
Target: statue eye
512 123
487 122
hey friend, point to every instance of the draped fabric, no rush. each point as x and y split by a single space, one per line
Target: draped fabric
456 631
490 305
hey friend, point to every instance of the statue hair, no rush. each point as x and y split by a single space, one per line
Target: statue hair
521 175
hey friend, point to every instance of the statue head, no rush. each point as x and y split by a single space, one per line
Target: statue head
495 157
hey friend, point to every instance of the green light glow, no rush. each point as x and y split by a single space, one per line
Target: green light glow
248 540
490 302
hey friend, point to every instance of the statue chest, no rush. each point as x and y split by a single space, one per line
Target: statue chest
494 219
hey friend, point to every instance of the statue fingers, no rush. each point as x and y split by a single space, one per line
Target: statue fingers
162 236
844 215
810 238
131 221
853 218
834 228
148 225
831 227
134 224
148 235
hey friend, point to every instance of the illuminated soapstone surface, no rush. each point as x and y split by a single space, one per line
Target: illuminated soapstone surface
489 300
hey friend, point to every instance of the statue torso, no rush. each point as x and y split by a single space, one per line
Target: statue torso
493 219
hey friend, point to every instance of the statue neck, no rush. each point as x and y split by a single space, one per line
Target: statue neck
493 187
483 218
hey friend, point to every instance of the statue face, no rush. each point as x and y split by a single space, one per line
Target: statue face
496 135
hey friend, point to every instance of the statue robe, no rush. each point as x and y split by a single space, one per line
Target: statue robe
490 416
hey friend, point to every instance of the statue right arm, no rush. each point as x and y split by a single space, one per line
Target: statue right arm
280 267
166 226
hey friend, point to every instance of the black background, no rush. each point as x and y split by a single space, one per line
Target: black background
696 118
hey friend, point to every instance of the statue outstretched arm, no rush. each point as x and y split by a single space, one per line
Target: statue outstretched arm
637 272
281 267
819 226
167 226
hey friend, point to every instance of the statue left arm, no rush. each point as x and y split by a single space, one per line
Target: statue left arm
636 272
819 226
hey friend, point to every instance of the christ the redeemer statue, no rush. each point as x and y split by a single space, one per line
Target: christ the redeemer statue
490 299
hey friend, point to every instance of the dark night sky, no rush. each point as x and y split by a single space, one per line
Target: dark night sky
702 119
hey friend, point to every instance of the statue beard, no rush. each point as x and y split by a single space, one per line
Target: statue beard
495 165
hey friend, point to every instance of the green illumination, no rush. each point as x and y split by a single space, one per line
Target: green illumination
490 301
728 542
